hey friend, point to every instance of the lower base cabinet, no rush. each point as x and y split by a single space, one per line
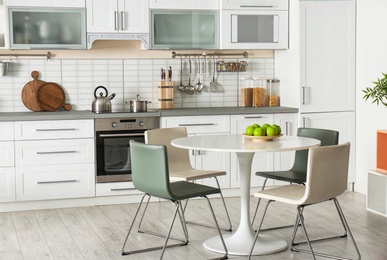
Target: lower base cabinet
116 188
377 192
7 184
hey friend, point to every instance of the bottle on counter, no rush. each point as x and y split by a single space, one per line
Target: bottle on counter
273 92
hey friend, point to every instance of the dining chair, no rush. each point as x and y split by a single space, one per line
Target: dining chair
297 174
150 174
327 177
180 168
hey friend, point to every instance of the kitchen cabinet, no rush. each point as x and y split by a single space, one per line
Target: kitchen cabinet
42 146
327 75
377 192
266 4
344 122
184 4
3 24
205 160
7 169
46 3
261 161
117 16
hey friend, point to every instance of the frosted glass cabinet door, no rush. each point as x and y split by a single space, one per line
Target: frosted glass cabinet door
185 30
47 28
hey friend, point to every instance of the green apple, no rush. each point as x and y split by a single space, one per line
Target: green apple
255 125
249 130
265 125
259 131
270 131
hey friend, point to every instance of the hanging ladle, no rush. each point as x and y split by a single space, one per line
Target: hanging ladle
181 86
189 88
214 84
199 85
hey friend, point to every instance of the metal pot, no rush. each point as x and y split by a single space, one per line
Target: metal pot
102 103
139 105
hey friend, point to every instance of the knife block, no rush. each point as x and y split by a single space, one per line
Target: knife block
381 151
166 95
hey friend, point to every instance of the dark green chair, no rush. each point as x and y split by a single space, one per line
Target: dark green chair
297 174
150 174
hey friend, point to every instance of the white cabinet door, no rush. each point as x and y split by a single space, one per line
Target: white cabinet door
7 184
7 152
344 122
117 16
6 130
261 161
184 4
327 56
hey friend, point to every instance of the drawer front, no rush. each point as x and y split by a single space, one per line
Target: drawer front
199 124
7 157
45 152
7 184
54 129
116 188
53 182
6 130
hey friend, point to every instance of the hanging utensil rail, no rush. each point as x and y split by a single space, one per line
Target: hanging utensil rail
48 55
204 54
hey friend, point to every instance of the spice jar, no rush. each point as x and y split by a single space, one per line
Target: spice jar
246 92
273 92
259 93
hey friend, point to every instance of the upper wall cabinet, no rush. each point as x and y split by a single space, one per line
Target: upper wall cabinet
46 3
184 4
3 27
117 19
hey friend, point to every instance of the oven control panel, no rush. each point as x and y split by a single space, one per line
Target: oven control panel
122 124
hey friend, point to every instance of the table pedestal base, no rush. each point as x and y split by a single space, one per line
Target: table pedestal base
265 245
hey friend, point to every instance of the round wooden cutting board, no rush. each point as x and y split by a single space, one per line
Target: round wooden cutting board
29 93
51 96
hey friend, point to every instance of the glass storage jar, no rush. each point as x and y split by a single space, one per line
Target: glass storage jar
259 93
246 92
273 92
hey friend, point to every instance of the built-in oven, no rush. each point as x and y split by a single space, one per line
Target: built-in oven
112 145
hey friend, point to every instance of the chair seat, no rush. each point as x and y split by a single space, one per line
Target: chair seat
193 174
291 194
288 176
182 190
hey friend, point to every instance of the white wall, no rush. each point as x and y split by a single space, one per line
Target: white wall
371 61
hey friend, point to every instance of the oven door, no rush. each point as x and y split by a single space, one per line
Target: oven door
113 155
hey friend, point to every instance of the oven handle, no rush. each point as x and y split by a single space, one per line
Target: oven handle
121 135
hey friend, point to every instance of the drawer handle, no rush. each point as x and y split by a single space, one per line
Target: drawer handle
56 152
199 124
247 117
122 189
51 182
56 129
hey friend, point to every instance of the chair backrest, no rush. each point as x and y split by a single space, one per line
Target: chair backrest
150 169
326 136
178 159
327 175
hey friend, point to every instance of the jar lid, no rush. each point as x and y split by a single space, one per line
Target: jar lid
272 80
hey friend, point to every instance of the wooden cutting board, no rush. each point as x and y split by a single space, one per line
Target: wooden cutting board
51 97
29 93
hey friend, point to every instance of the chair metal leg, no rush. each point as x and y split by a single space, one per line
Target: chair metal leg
346 227
143 214
229 229
217 226
183 242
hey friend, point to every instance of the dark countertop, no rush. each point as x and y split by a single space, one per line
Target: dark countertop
197 111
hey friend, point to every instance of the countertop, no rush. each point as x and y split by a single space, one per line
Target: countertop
84 114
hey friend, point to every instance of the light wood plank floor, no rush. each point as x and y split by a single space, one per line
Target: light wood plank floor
98 232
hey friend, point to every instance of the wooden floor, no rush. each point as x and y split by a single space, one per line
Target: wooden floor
98 232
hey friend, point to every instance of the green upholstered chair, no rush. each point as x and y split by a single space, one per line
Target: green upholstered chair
297 174
180 168
326 179
150 174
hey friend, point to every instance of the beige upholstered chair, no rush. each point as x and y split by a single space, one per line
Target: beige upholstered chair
327 176
180 168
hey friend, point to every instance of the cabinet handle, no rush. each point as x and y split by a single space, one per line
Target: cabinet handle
247 117
122 189
287 128
199 124
56 152
51 182
303 122
55 129
115 20
122 20
303 96
257 6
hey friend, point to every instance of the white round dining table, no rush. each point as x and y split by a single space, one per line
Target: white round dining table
240 242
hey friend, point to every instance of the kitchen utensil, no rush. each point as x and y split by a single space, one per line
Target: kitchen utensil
29 93
199 85
102 104
51 97
213 84
139 105
205 75
181 86
189 88
4 68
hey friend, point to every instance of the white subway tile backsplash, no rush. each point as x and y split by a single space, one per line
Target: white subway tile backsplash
127 78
